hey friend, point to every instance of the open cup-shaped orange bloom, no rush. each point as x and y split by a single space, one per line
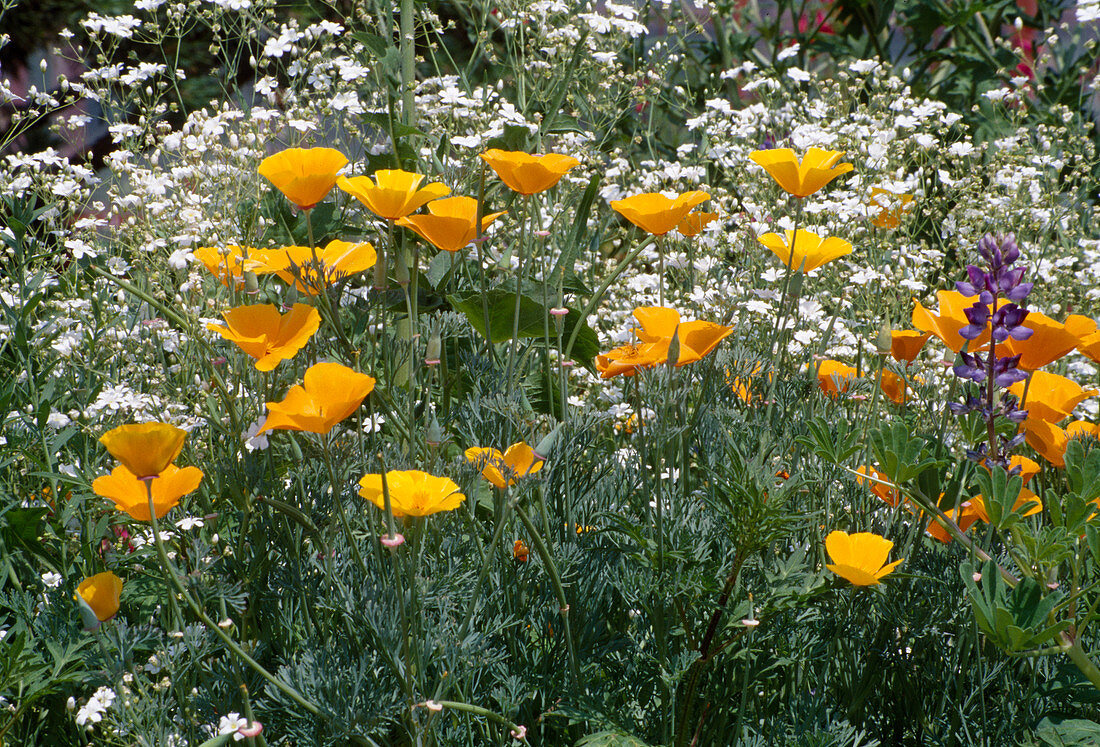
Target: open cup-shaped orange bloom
894 387
329 393
951 319
265 334
525 173
225 263
694 223
1050 397
145 449
297 264
1050 441
697 339
906 344
626 360
304 175
835 377
502 470
129 495
880 485
412 492
859 558
392 193
1026 496
101 593
450 224
964 517
810 250
802 178
887 207
1049 341
656 214
1088 336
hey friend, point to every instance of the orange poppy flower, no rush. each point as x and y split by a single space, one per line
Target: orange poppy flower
1085 330
906 344
951 319
520 551
627 359
887 492
1049 341
964 517
101 593
518 460
835 377
977 504
412 492
697 338
802 178
392 193
297 265
329 393
226 263
893 386
450 224
695 222
859 558
304 175
1028 467
742 385
525 173
129 495
889 207
1050 397
656 214
810 250
266 335
146 449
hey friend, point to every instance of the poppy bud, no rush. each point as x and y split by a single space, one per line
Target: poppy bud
546 445
435 347
885 341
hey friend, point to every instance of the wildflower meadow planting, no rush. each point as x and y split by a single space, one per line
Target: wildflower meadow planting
550 372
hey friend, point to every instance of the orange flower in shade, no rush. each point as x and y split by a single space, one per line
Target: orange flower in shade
964 517
695 222
887 492
129 496
656 214
906 344
625 360
1050 397
502 470
329 393
145 449
101 593
888 207
1028 467
392 193
835 377
304 175
859 558
525 173
266 335
520 551
297 265
1050 441
697 338
226 263
810 250
742 385
1049 341
893 386
977 505
450 224
802 178
412 492
951 319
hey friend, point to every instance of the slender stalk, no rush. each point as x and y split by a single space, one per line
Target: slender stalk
598 295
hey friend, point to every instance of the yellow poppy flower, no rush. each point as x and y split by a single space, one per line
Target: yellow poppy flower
296 265
329 393
392 193
1049 341
859 558
129 496
101 593
450 224
304 175
1051 397
518 460
656 214
888 207
266 335
808 247
145 449
412 492
951 319
626 360
906 344
225 263
525 173
697 338
834 377
694 223
977 504
802 178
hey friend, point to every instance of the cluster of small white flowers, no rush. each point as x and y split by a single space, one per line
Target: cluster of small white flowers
92 712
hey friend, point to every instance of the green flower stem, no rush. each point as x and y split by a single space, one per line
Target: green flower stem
660 240
232 645
555 580
297 515
478 711
337 497
408 63
1072 648
524 240
598 295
